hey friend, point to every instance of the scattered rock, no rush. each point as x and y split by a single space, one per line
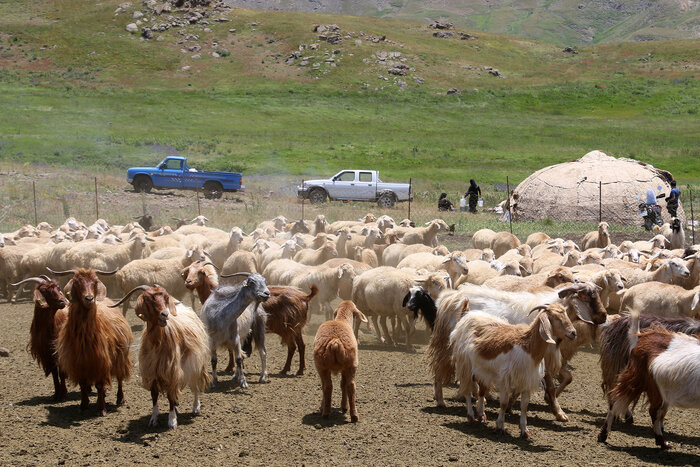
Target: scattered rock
441 25
126 5
325 28
232 30
4 352
442 34
137 15
207 30
222 20
418 80
570 50
132 28
195 56
215 55
465 36
185 68
160 38
336 51
358 42
304 63
494 72
146 33
454 91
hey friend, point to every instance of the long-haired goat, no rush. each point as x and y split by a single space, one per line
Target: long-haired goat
664 365
495 353
221 313
615 344
173 352
335 351
93 345
50 314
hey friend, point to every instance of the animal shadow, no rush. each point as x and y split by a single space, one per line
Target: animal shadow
70 415
138 431
336 418
655 455
485 431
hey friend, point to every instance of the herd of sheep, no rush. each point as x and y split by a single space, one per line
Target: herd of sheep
504 316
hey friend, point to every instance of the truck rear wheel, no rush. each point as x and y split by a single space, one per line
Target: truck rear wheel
213 190
386 200
142 184
317 196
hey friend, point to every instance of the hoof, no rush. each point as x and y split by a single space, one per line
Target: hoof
663 444
103 412
602 436
229 369
153 421
482 419
284 371
300 372
264 379
441 404
526 435
121 401
562 417
629 420
470 419
243 384
501 432
354 418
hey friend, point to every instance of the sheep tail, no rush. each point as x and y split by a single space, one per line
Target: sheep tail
333 350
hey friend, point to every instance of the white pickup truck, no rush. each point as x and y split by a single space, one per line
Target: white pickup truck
355 185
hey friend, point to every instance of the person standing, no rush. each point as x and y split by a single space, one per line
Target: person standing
473 193
672 200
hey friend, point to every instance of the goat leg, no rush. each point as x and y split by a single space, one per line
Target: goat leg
566 379
524 400
101 402
57 389
327 389
154 414
215 378
120 393
231 362
301 346
84 395
172 415
349 377
550 392
291 348
657 418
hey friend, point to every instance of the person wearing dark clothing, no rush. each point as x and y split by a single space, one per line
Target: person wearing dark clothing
672 200
445 204
473 193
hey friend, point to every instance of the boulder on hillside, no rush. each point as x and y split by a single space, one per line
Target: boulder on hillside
440 25
132 28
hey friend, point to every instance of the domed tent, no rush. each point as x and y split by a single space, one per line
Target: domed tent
570 191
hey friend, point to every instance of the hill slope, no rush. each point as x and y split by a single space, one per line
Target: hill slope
564 22
260 91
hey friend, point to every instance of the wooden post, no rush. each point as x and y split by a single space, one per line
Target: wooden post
199 209
510 212
97 205
36 219
600 202
692 216
302 199
410 189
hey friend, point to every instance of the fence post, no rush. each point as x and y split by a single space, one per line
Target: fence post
510 213
97 205
302 198
410 188
199 209
692 214
36 219
600 202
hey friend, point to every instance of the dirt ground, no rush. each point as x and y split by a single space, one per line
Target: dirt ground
278 423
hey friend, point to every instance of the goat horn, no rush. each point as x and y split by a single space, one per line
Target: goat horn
32 279
126 297
538 307
61 273
106 273
246 274
45 277
209 263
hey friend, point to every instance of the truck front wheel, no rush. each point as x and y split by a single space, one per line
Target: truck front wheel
317 196
213 190
386 200
142 184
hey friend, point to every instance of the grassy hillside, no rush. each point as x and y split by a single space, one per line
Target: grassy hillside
565 22
77 90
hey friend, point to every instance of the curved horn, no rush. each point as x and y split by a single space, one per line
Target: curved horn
29 279
61 273
245 274
106 273
538 307
209 263
45 277
126 297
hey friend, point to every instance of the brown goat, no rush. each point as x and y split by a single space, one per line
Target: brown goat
50 315
335 351
93 345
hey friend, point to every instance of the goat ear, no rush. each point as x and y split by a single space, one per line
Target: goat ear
546 329
446 260
39 298
361 316
171 306
406 299
584 314
696 302
101 291
68 289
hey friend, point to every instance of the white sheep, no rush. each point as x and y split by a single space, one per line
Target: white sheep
597 239
656 298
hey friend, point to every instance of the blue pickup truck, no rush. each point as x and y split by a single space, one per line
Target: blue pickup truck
173 172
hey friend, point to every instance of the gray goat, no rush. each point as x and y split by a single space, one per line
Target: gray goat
232 313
